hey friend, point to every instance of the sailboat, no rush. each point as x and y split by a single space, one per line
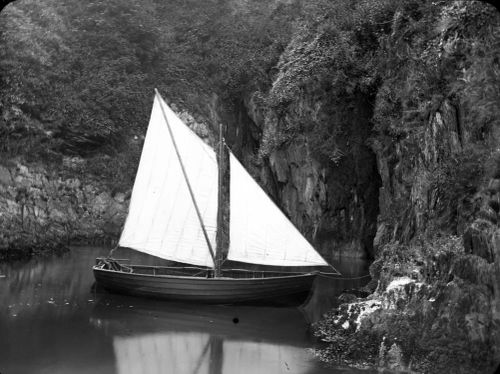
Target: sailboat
175 213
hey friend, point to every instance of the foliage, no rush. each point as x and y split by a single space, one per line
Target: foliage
432 53
335 44
428 259
59 87
77 78
478 86
403 57
344 54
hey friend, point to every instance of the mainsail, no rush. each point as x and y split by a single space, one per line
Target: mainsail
259 232
162 219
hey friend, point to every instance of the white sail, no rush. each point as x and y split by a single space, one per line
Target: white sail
162 219
259 232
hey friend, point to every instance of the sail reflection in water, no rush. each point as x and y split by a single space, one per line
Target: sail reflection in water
162 353
202 353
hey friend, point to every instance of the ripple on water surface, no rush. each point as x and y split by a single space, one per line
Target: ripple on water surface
52 321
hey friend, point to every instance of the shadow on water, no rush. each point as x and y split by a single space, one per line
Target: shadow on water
52 322
326 289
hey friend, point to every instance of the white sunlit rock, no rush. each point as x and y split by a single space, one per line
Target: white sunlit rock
367 308
398 282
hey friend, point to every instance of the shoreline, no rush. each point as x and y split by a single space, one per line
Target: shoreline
25 250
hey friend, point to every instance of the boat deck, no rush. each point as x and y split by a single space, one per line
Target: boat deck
190 271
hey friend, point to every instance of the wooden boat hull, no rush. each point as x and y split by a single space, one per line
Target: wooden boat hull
280 289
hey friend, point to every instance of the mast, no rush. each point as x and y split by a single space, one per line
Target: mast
187 180
220 209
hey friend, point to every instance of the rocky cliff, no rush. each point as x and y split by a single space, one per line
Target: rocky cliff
434 306
333 201
42 210
398 162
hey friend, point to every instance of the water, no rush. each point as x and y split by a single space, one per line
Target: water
52 321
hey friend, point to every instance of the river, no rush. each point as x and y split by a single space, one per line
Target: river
53 321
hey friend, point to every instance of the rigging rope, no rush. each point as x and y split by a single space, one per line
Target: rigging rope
329 275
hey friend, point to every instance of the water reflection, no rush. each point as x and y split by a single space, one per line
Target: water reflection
157 353
51 321
154 337
195 353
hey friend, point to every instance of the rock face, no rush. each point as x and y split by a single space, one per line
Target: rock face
39 206
417 191
410 170
332 200
435 301
435 305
